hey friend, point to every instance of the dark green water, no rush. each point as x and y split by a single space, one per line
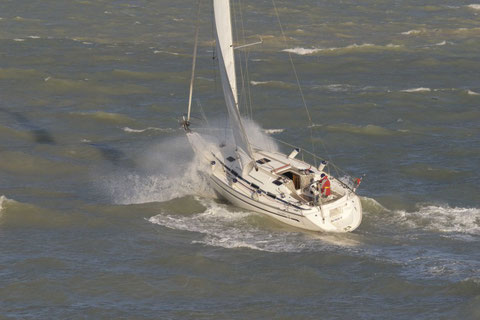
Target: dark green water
103 214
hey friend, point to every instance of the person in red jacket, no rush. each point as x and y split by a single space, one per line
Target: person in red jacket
325 185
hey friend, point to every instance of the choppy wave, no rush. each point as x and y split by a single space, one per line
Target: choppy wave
412 32
166 130
105 116
309 51
421 89
166 52
272 83
366 130
2 200
225 226
16 214
474 6
273 131
445 219
473 93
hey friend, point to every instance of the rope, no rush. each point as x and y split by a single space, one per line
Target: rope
197 27
310 123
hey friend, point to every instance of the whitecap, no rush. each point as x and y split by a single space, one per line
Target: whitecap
273 131
410 32
441 43
421 89
34 37
222 225
473 93
19 40
167 52
444 219
302 51
127 129
474 6
256 83
2 200
305 51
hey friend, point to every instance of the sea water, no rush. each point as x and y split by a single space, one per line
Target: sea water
104 214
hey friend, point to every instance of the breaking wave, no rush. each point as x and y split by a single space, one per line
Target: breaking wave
273 131
222 225
166 130
444 219
421 89
474 6
412 32
309 51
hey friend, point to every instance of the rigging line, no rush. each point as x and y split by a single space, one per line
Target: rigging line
214 47
296 77
338 170
197 27
249 94
242 95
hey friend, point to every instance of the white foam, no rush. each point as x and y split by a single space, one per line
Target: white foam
474 6
473 93
410 32
256 83
221 225
2 200
338 87
258 135
302 51
134 188
441 43
444 219
421 89
127 129
307 51
34 37
162 172
273 131
167 52
18 40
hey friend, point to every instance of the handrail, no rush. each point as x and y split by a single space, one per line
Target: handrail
302 150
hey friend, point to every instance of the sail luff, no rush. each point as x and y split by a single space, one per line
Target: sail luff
223 24
226 62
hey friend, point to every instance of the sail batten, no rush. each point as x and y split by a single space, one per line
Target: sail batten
226 61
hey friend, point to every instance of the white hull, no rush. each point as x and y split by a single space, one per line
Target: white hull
343 214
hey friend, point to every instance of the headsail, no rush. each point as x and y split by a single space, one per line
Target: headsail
226 61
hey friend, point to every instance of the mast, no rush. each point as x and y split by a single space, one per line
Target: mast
226 62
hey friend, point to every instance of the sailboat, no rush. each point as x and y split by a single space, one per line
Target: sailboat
269 182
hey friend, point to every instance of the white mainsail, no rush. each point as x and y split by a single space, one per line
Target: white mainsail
226 61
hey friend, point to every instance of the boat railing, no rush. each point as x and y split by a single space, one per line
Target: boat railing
303 152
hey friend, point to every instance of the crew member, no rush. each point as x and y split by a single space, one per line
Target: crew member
325 185
314 191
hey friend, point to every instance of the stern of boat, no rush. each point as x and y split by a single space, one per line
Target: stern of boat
341 215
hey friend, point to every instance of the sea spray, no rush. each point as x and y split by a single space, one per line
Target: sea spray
165 171
170 169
